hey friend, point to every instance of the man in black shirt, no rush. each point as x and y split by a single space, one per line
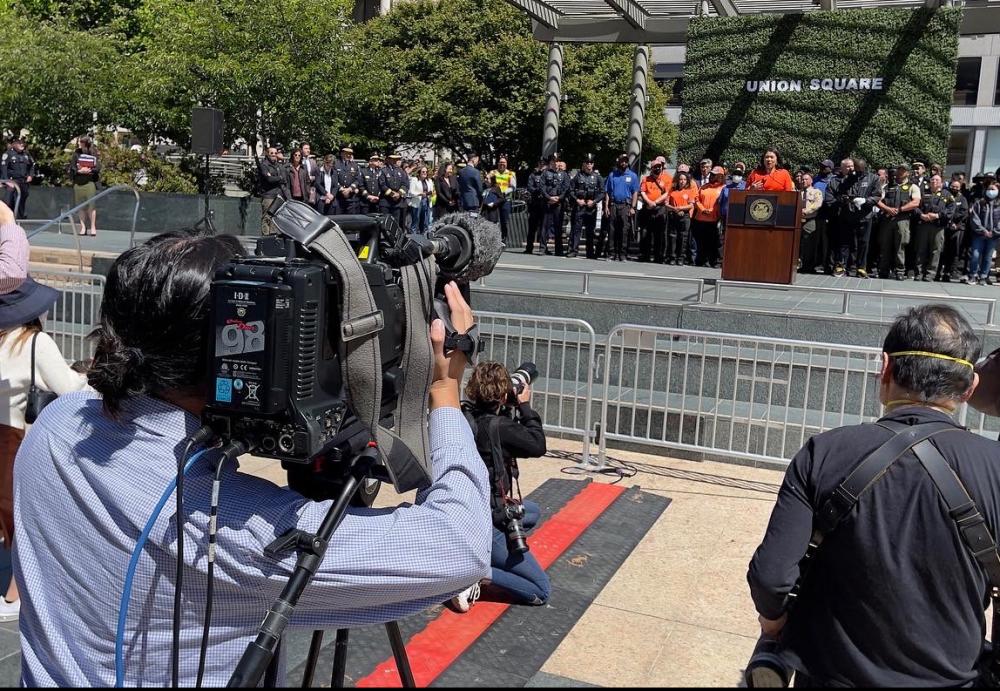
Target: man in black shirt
536 207
271 180
954 239
892 597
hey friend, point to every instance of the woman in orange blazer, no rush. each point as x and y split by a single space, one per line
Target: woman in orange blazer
769 176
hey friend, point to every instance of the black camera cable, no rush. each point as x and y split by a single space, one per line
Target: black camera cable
229 453
199 437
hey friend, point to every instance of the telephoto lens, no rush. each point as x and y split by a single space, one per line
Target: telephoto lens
526 373
517 538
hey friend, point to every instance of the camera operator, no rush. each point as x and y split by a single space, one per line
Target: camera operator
492 402
893 595
102 462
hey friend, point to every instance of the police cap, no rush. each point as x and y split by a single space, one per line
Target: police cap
589 158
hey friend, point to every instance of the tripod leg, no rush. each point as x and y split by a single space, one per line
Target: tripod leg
313 658
399 652
271 674
339 659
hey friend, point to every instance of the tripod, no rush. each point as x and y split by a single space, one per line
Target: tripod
260 657
206 220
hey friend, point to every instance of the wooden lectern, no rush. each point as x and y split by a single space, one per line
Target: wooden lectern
763 230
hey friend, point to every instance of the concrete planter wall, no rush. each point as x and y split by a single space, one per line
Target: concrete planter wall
158 212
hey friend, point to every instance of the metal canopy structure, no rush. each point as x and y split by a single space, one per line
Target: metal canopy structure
665 21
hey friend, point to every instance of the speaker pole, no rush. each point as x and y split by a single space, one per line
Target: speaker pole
206 220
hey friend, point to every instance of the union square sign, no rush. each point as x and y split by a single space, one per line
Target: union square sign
828 84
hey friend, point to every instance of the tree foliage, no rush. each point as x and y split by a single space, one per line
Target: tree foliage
457 74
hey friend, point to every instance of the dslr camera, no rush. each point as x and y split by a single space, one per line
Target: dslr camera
510 518
285 324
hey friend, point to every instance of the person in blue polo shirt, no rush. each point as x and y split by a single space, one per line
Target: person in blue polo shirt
622 188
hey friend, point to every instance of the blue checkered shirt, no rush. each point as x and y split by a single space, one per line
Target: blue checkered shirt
85 485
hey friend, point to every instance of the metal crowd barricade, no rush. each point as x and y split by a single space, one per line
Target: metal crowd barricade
732 396
564 351
76 313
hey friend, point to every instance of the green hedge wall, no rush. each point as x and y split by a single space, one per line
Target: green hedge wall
914 51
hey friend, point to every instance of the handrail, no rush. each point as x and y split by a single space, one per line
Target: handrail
989 303
80 207
14 186
697 283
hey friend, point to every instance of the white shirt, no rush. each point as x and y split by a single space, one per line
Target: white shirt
420 190
51 374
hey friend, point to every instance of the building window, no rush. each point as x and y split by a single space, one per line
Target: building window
992 158
958 149
967 82
671 77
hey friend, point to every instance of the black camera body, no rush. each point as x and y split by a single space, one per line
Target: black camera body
276 377
279 339
511 523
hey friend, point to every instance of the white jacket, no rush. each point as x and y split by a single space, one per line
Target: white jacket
51 374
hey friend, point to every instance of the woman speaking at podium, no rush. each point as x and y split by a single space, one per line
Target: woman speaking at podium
768 177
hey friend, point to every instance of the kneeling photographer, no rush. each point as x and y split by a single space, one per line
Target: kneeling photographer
507 428
99 464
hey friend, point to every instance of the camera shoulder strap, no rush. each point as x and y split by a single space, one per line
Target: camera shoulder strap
405 451
970 522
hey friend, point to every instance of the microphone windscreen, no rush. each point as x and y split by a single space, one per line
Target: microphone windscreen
486 245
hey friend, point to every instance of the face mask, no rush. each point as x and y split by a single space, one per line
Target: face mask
991 194
737 179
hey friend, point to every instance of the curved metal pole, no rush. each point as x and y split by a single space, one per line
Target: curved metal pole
16 187
103 193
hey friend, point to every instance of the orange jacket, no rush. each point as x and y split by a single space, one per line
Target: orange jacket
778 181
708 207
683 197
650 188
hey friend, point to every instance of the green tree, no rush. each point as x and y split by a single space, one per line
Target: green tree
63 85
468 74
597 81
273 67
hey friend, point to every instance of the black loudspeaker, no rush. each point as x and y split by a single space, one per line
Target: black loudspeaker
207 131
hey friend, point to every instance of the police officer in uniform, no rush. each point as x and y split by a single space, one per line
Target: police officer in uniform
370 192
536 207
586 194
394 185
920 177
954 236
856 195
351 183
899 201
18 166
555 186
936 209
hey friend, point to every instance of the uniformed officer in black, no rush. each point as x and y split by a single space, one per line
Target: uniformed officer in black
537 205
19 167
351 183
954 236
899 200
920 177
370 193
271 183
555 185
394 186
936 208
586 194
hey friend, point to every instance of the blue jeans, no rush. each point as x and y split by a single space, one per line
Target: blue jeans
420 217
520 575
981 255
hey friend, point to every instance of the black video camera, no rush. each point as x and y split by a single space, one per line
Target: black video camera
279 338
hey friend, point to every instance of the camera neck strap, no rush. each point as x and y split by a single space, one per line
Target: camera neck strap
404 451
962 509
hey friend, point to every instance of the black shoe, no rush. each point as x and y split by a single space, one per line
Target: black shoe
548 252
573 254
531 251
946 278
926 278
988 281
899 277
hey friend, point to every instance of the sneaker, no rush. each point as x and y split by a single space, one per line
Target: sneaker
464 600
979 281
9 611
989 281
899 276
967 280
839 271
926 278
862 273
